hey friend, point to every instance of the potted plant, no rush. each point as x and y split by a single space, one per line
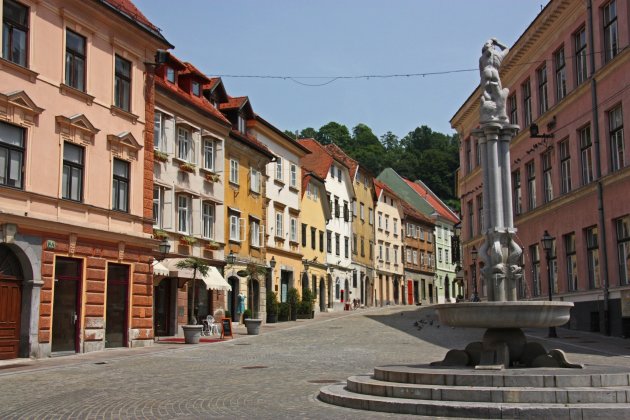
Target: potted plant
187 240
272 307
283 311
187 167
160 234
213 177
192 331
308 302
293 298
253 272
160 156
213 246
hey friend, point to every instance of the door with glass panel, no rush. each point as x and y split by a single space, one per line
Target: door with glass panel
116 316
66 305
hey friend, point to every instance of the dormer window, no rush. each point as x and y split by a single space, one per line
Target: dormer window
170 74
241 124
196 89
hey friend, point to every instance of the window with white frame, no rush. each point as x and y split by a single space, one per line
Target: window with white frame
293 229
581 71
547 182
170 74
617 149
235 228
255 180
158 201
623 249
386 223
234 171
439 254
592 257
158 130
279 169
380 251
531 185
293 175
561 74
209 149
195 88
380 220
184 143
586 154
254 233
415 257
362 211
279 224
571 259
183 214
242 125
395 226
386 253
371 215
395 255
408 255
565 166
208 217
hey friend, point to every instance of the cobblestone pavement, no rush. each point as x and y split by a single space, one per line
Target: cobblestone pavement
271 376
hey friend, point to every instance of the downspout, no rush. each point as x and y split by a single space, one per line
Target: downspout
598 170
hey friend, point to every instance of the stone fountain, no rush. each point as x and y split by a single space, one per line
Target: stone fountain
501 376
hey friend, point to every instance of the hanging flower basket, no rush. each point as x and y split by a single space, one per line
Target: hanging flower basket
187 240
213 177
160 156
187 167
160 234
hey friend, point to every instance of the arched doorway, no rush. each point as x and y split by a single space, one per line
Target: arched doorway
329 289
11 278
322 295
304 283
231 297
253 297
337 289
396 291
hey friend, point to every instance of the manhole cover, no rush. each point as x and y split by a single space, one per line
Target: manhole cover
13 366
242 344
323 381
255 367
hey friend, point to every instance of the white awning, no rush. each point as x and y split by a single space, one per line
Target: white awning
213 280
159 269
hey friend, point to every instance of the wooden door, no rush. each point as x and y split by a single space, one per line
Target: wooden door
10 303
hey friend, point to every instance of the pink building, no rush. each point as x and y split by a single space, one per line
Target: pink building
568 74
76 158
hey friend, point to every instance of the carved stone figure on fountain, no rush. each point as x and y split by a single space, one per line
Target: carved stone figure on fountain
493 95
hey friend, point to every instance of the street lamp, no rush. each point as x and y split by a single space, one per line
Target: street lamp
164 247
272 263
473 255
547 243
231 258
305 263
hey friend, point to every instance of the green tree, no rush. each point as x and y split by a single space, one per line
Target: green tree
308 133
197 265
334 132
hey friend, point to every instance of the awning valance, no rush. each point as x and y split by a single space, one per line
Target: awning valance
159 269
213 280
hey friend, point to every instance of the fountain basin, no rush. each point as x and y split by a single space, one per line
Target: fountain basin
513 314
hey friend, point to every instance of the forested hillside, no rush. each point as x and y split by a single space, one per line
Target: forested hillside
422 154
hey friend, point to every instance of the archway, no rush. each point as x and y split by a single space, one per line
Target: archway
11 278
231 296
329 289
337 289
322 295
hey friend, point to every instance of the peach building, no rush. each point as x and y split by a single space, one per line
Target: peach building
76 150
568 76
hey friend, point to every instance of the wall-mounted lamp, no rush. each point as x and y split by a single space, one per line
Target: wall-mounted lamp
272 263
535 134
164 248
231 258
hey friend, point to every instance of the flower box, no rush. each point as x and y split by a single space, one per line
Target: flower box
160 234
160 156
187 167
187 240
213 246
213 177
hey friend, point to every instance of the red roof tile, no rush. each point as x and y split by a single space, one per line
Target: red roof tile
252 142
424 192
232 102
194 71
341 156
130 9
318 161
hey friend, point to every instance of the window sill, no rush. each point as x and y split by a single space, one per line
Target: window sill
205 170
234 241
76 93
6 64
278 238
294 189
279 182
294 243
256 247
125 114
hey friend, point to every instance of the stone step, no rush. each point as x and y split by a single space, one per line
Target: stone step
365 384
338 395
590 376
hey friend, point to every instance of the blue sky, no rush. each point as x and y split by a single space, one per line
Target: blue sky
343 38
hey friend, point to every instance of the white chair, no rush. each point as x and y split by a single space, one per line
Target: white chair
210 326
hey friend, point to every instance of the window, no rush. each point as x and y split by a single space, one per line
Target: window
615 126
170 74
355 244
242 125
362 211
336 207
279 225
580 56
535 255
332 171
395 227
254 233
321 241
396 255
611 46
75 60
195 89
543 103
235 228
354 208
208 154
565 166
158 130
293 175
547 182
339 174
293 234
304 237
380 220
471 213
346 212
468 155
346 247
414 255
122 84
362 246
14 32
158 201
571 258
387 253
120 193
478 153
439 255
72 177
234 171
11 154
329 242
513 109
586 154
279 168
516 194
480 213
623 249
371 214
313 238
183 213
184 143
561 74
553 266
255 180
371 250
207 218
527 103
531 185
337 243
592 257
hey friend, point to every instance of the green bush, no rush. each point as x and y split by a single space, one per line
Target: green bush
283 311
228 314
272 302
293 298
247 314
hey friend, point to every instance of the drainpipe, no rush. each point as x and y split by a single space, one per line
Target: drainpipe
598 170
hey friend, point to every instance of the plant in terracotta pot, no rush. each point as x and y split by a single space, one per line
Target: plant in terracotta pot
187 240
192 331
